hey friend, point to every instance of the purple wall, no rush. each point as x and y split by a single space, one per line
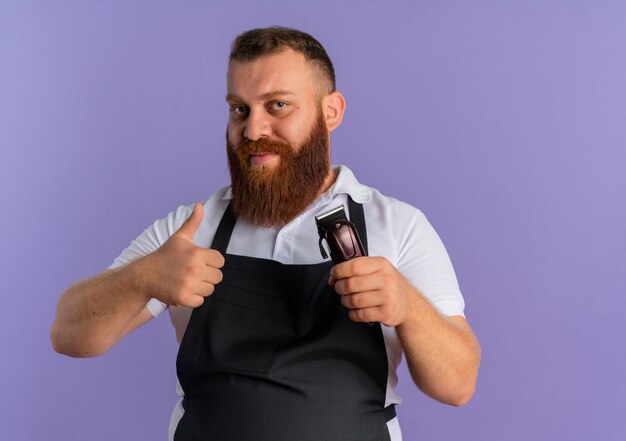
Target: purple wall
505 122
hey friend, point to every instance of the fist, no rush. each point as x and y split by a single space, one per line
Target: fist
181 273
373 290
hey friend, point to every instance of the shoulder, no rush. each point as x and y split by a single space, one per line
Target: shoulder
392 217
378 205
384 206
391 224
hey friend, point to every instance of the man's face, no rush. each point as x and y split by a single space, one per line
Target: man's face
277 139
274 97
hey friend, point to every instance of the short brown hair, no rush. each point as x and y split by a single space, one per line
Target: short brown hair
259 42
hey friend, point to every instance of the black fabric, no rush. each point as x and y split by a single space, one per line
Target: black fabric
390 412
225 228
273 356
357 217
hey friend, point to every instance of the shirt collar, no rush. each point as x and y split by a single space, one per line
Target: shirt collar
346 183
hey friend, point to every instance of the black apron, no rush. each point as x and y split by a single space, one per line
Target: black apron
273 356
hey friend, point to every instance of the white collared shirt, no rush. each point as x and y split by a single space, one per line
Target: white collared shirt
395 230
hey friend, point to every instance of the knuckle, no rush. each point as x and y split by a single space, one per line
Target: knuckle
339 287
186 287
388 314
357 301
388 300
362 302
345 301
181 300
384 310
386 279
210 290
197 253
358 265
351 284
381 261
359 315
336 272
353 314
195 271
189 300
219 276
189 270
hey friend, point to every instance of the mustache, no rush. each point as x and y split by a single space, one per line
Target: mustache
264 145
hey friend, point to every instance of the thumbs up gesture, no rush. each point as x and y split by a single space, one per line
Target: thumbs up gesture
181 273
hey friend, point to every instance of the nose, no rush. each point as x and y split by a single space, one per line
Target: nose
257 125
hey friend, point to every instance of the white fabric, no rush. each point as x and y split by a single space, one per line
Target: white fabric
395 230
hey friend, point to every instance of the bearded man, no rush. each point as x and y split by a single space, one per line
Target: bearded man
276 342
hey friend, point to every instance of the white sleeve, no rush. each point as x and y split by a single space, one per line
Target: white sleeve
149 241
424 261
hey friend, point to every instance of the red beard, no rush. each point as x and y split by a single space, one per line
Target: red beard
275 196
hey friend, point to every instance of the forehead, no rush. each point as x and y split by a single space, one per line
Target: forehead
285 71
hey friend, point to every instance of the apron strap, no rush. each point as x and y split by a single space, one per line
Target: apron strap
389 412
224 230
358 219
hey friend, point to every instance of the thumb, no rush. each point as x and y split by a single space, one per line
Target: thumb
189 228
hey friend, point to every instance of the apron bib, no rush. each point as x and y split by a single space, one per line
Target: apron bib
272 355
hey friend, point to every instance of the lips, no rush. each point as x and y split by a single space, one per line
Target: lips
262 158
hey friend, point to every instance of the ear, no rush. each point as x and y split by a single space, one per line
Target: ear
333 106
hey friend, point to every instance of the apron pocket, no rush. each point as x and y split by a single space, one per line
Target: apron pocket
241 331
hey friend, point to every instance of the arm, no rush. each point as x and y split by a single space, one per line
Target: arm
94 314
442 353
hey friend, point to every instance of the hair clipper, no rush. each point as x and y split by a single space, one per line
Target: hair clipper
340 234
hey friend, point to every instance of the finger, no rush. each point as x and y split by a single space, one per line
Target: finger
189 301
214 258
204 289
211 275
358 266
190 226
362 300
353 285
194 301
365 315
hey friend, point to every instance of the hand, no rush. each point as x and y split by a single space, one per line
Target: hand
180 273
373 290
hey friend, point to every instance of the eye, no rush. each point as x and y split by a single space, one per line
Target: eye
279 104
240 110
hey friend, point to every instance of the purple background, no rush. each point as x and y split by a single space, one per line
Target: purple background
505 122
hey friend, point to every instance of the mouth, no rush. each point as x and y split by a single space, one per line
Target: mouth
262 158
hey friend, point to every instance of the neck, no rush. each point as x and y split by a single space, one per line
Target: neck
329 181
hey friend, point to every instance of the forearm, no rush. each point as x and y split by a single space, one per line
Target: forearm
92 315
442 353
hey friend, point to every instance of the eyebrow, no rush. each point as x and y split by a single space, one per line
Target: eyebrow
233 97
